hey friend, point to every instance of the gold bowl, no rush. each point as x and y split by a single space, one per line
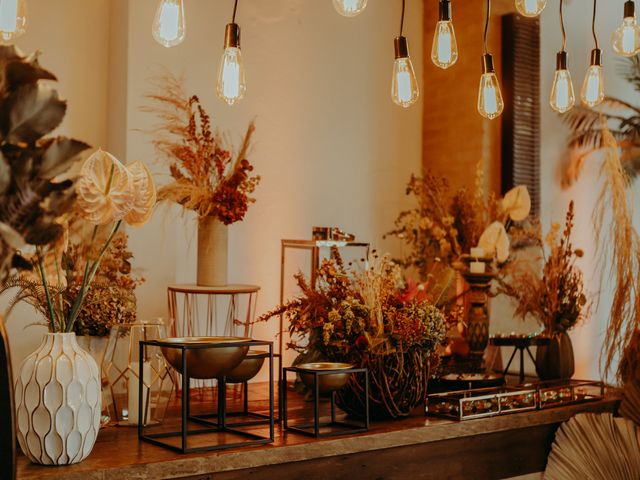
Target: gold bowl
328 382
248 368
203 363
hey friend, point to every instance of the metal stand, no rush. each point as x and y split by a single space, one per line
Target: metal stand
314 429
220 425
519 344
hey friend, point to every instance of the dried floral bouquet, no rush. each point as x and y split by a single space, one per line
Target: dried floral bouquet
206 178
359 316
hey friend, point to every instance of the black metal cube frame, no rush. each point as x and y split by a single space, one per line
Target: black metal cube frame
251 418
313 429
186 417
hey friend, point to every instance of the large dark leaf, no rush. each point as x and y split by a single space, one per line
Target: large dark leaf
43 233
19 73
5 174
31 112
60 155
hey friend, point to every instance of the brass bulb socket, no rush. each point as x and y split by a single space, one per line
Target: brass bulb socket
444 11
629 9
401 47
487 64
596 57
232 35
561 60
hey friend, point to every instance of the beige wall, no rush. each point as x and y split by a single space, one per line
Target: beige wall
330 145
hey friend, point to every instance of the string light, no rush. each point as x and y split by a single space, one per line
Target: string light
490 103
562 96
349 8
626 38
592 92
530 8
231 81
169 26
404 85
444 50
13 19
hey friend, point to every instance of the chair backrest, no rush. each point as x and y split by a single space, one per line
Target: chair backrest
7 411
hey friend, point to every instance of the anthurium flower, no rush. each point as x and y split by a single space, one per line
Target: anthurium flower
144 192
517 203
495 242
105 189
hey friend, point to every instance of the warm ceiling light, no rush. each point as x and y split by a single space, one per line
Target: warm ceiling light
490 103
626 38
349 8
530 8
404 85
231 82
169 26
13 19
562 96
444 50
592 92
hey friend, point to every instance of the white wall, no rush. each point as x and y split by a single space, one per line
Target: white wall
331 147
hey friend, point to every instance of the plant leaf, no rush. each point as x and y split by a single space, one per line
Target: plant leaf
13 238
5 174
31 112
19 73
62 152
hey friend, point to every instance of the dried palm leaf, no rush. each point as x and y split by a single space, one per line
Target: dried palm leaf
630 405
595 447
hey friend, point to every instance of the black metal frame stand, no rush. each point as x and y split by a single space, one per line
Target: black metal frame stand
313 429
218 426
519 344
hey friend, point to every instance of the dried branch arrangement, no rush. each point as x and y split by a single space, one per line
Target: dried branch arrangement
205 176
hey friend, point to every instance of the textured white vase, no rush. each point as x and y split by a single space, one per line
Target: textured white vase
213 245
57 397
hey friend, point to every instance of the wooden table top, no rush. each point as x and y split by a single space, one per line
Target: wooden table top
118 454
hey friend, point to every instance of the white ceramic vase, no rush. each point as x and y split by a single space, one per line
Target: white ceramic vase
57 397
213 246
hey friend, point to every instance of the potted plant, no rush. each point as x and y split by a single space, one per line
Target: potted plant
205 177
364 316
57 392
556 298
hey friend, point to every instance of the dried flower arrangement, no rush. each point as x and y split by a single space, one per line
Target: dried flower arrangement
557 298
444 226
358 315
59 276
206 179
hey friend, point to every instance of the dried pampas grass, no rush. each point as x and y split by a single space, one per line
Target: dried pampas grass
624 246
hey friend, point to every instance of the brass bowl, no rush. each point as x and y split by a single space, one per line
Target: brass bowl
211 362
248 368
329 382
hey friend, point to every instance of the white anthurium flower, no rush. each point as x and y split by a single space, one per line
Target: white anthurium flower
105 189
144 195
495 242
517 203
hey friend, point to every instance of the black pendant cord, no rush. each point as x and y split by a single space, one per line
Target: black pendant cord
485 49
402 18
593 24
564 34
235 9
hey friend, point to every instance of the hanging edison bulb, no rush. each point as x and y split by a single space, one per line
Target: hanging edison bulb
231 82
13 19
530 8
562 96
444 50
349 8
169 25
592 93
490 102
404 84
626 38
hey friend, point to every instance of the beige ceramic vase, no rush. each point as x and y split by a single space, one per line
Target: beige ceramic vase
57 397
212 252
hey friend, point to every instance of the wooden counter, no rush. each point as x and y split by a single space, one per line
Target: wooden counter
418 447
